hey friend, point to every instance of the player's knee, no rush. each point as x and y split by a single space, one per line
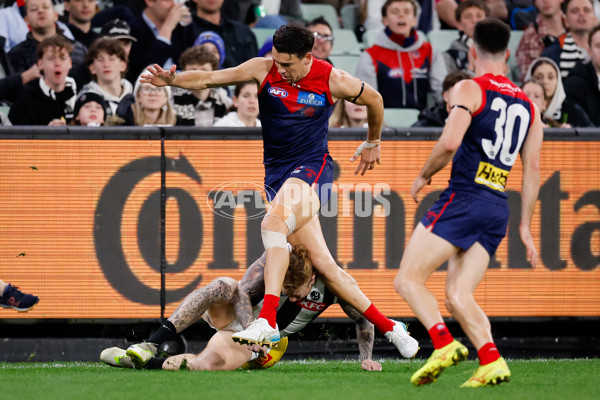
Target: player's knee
455 300
224 285
279 218
402 283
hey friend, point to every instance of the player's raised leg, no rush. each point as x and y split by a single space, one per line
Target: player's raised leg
424 253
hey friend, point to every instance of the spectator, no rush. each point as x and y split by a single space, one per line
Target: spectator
119 30
11 82
323 38
436 116
160 37
200 107
582 84
431 14
107 62
267 48
214 43
50 99
537 94
148 105
402 65
546 29
573 46
245 104
546 72
348 115
41 17
80 14
90 110
468 14
240 42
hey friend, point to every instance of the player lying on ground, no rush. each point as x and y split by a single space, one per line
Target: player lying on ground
227 306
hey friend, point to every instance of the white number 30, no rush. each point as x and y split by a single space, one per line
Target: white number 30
505 131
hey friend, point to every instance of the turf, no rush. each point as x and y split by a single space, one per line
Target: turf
302 380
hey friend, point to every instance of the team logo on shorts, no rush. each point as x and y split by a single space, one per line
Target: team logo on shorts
278 92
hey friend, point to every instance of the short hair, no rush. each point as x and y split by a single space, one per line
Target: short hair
112 47
293 39
594 30
453 78
300 269
319 21
565 4
491 36
385 6
198 55
57 41
463 5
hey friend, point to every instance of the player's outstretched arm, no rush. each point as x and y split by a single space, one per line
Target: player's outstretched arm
530 185
467 96
255 69
348 87
365 335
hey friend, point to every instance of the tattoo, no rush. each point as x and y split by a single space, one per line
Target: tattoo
365 332
196 303
253 281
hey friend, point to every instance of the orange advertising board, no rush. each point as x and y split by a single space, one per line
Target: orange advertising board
80 225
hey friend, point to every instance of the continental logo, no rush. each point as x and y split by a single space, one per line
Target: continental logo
491 176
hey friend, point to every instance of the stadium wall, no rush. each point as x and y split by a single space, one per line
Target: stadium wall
113 226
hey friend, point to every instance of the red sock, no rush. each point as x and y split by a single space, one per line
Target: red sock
440 335
269 309
488 354
382 323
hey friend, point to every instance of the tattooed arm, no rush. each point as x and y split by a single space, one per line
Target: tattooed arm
250 291
365 336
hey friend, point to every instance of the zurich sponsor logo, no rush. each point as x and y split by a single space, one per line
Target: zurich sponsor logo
311 99
278 92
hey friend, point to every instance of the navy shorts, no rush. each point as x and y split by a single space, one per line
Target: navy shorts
318 173
464 218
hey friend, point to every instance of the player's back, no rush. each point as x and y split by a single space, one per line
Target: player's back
493 140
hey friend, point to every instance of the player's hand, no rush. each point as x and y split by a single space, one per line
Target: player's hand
370 365
158 76
369 157
418 184
527 239
262 350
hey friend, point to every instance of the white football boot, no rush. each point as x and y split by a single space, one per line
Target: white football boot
140 353
258 332
399 337
116 357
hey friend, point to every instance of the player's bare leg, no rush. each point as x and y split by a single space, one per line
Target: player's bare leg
346 287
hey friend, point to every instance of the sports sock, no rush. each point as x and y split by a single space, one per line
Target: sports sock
166 332
269 309
440 335
488 353
155 363
381 322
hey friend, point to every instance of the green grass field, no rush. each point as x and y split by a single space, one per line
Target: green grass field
302 380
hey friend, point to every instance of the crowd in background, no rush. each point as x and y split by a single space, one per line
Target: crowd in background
78 62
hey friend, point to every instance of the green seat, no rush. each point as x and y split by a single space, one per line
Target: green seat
369 37
442 39
347 62
262 34
345 42
400 117
327 11
4 109
349 14
513 43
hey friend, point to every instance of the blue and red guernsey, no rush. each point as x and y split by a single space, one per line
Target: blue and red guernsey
492 143
295 116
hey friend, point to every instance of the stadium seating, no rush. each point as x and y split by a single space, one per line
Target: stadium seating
442 39
349 14
262 34
369 37
400 117
4 109
327 11
346 62
345 42
513 43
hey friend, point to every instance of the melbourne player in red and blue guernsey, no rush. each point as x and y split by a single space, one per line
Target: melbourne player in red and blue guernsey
491 122
297 92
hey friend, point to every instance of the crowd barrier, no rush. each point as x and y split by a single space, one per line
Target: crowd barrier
123 223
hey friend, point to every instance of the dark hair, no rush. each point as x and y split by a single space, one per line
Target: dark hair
293 39
453 78
592 33
57 41
112 47
198 55
565 4
239 87
389 2
491 36
319 21
463 5
300 269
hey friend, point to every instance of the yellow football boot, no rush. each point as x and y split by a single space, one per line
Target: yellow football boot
493 373
439 360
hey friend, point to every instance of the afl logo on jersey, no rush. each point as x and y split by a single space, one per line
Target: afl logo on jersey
395 73
278 92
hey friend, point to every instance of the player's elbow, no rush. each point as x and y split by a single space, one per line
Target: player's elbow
449 145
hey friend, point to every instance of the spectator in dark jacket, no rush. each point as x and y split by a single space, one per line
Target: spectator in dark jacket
11 82
81 13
